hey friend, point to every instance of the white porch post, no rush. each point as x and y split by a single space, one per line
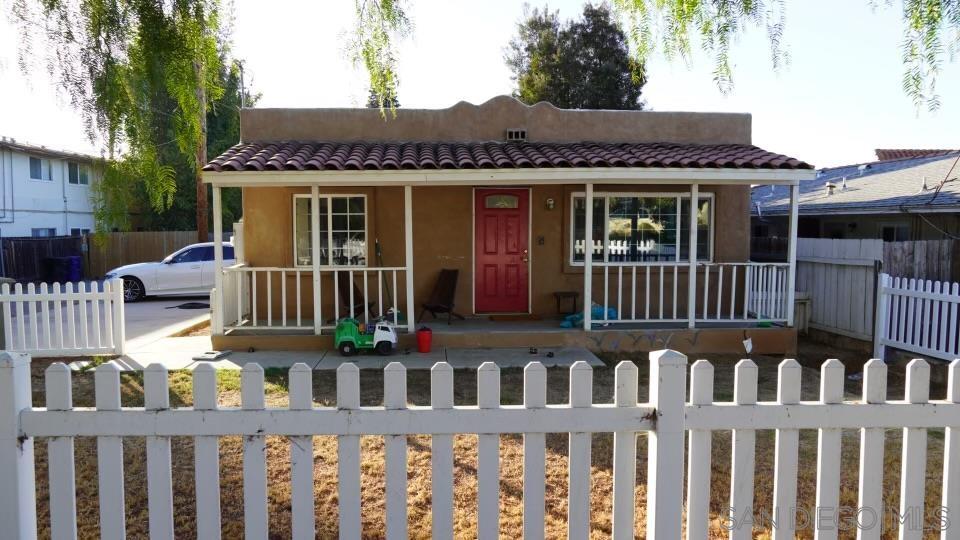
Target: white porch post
588 258
792 251
408 252
315 258
218 260
692 272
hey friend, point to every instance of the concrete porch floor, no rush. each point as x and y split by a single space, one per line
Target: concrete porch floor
481 332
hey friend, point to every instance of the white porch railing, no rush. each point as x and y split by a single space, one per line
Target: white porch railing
668 418
761 296
643 293
726 292
269 298
68 320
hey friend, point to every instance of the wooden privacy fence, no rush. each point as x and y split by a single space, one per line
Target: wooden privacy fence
937 260
68 320
667 418
919 316
839 276
26 258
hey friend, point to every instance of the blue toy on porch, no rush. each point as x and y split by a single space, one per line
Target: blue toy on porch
596 315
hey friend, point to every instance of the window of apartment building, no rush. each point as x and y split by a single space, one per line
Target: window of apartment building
895 232
78 174
79 232
43 232
40 169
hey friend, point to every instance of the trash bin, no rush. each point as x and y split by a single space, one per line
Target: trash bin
63 269
74 268
424 339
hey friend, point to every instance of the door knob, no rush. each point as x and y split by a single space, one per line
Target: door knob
525 257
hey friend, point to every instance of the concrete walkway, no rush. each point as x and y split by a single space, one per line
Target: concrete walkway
151 323
178 353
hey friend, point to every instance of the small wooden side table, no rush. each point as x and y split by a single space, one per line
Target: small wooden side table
564 295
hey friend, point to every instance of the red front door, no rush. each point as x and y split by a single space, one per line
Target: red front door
501 252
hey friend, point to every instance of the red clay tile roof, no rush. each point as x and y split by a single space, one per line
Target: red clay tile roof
338 156
885 154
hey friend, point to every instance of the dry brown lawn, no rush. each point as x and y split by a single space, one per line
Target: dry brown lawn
372 466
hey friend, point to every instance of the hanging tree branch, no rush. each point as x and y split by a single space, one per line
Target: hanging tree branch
124 64
931 33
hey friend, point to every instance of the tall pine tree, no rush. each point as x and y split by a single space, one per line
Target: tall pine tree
581 64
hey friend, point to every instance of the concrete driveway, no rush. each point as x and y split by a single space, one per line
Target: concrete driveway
153 319
147 322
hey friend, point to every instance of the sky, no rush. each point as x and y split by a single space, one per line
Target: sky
838 99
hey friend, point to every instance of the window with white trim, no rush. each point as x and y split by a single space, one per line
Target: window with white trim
343 230
41 169
641 227
78 174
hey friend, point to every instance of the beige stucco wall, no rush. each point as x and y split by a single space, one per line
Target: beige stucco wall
489 122
443 238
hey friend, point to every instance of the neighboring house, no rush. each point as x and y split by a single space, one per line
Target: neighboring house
348 212
44 192
911 198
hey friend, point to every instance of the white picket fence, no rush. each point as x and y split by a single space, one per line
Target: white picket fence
619 249
666 417
919 316
68 320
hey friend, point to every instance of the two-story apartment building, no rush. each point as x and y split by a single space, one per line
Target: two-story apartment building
44 192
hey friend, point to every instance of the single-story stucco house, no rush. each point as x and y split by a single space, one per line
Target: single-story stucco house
346 212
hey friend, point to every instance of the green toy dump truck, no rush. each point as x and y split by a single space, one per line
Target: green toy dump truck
351 337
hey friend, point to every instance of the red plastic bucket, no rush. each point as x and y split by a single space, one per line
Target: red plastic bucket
424 339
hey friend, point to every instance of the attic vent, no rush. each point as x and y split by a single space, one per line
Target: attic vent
516 135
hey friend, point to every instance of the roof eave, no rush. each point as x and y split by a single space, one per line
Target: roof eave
468 177
909 209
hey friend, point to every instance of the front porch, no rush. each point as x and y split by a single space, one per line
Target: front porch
638 302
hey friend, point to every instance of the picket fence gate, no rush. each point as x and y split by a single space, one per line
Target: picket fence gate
68 320
666 417
919 316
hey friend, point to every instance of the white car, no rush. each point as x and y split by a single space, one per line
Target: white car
187 272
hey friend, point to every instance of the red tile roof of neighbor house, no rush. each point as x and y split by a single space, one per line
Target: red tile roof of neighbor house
338 156
885 154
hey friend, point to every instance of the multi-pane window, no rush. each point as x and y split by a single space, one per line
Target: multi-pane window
343 230
40 169
641 228
78 174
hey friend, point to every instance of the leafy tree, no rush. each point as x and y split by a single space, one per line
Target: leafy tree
375 101
140 71
581 64
126 64
223 131
379 25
